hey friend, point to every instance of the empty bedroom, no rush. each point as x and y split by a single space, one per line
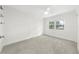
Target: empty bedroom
39 29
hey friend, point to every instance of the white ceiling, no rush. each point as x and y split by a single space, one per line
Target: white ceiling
30 8
57 9
40 9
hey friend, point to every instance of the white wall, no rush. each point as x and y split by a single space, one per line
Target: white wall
70 26
77 10
20 26
78 34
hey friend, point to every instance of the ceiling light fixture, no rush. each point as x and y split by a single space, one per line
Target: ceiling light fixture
45 12
48 9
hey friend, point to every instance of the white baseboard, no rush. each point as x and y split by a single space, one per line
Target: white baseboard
60 38
21 39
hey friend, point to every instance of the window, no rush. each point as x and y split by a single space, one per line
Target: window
51 24
60 25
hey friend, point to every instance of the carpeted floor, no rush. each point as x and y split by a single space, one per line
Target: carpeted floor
42 45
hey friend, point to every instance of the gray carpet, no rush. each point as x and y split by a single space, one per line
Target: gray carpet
42 45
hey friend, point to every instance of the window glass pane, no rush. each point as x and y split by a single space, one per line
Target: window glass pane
60 25
51 25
